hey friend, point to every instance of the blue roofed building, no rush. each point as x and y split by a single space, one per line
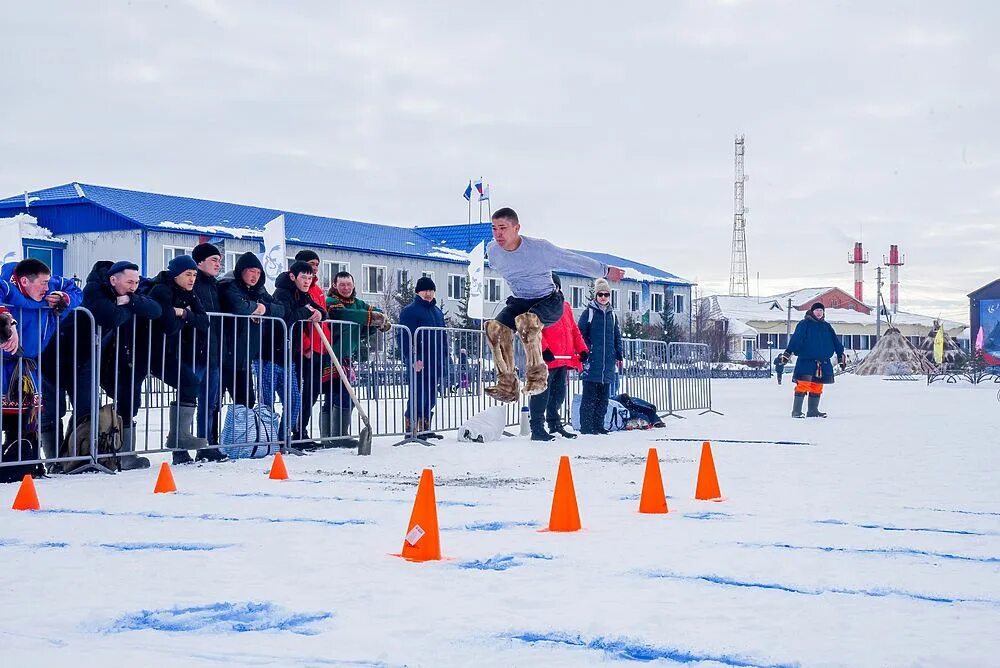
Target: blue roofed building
92 222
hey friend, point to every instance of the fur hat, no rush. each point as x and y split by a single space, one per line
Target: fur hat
425 283
202 252
601 285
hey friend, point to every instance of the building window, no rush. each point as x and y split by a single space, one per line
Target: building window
633 300
43 254
170 252
374 279
493 290
402 278
678 303
456 286
656 302
576 296
331 268
289 261
614 300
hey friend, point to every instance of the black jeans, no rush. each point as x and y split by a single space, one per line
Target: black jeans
593 406
310 370
180 376
545 406
549 309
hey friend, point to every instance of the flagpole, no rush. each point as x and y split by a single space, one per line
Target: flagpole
489 200
469 228
480 202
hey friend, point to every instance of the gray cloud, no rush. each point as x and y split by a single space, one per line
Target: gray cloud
609 127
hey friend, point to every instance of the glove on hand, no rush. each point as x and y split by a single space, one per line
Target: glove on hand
548 356
584 356
381 322
843 362
783 359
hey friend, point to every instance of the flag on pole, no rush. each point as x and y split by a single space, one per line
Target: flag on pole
939 345
468 192
479 188
273 257
485 192
476 274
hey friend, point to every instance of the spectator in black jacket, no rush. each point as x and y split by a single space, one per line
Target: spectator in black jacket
209 260
123 316
244 294
179 340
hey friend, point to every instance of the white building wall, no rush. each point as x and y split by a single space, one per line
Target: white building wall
83 250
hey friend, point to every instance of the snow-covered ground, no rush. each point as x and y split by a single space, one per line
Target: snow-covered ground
877 544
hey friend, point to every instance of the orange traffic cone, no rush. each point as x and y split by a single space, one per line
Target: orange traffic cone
164 481
26 498
708 484
565 515
278 470
653 499
423 540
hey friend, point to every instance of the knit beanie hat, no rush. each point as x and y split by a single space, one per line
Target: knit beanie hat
425 283
306 256
202 252
817 305
602 285
180 264
123 265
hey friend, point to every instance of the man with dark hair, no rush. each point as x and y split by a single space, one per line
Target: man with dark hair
360 319
208 257
527 263
291 292
814 343
430 354
38 302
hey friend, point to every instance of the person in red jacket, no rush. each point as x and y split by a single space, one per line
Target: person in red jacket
563 348
311 342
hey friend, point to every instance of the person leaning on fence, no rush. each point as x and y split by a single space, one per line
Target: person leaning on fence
429 354
527 265
180 343
603 336
563 348
361 319
123 315
208 257
291 292
38 302
244 294
814 343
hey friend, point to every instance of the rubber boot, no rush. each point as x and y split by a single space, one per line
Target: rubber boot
212 455
325 423
538 432
340 419
126 460
797 405
814 406
180 438
559 428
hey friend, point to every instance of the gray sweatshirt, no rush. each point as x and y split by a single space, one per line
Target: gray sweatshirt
528 270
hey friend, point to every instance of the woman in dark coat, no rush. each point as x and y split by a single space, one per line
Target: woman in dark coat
244 294
603 336
180 342
815 343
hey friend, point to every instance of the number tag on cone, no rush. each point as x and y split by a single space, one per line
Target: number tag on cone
415 534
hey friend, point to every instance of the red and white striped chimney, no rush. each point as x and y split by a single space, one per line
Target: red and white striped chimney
894 262
859 260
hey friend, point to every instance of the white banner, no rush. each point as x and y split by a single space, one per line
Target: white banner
476 276
273 257
11 247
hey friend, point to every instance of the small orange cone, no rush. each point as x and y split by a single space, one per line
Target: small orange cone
165 481
653 499
565 514
423 540
26 498
708 483
278 470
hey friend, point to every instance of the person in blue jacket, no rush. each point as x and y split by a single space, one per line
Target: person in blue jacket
430 354
603 336
38 302
814 343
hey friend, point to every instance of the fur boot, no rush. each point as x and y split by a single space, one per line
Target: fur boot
536 375
501 342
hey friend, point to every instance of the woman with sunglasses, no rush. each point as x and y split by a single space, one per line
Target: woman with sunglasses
603 336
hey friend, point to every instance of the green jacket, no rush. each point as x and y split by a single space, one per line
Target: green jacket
347 339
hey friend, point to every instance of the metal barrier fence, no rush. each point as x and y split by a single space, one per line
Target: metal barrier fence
247 380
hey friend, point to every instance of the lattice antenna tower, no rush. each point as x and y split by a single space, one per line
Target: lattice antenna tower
739 282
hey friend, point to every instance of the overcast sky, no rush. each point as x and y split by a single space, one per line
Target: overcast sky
608 126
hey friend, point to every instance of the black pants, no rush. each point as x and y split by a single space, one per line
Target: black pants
310 379
239 384
593 406
545 406
181 377
549 309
